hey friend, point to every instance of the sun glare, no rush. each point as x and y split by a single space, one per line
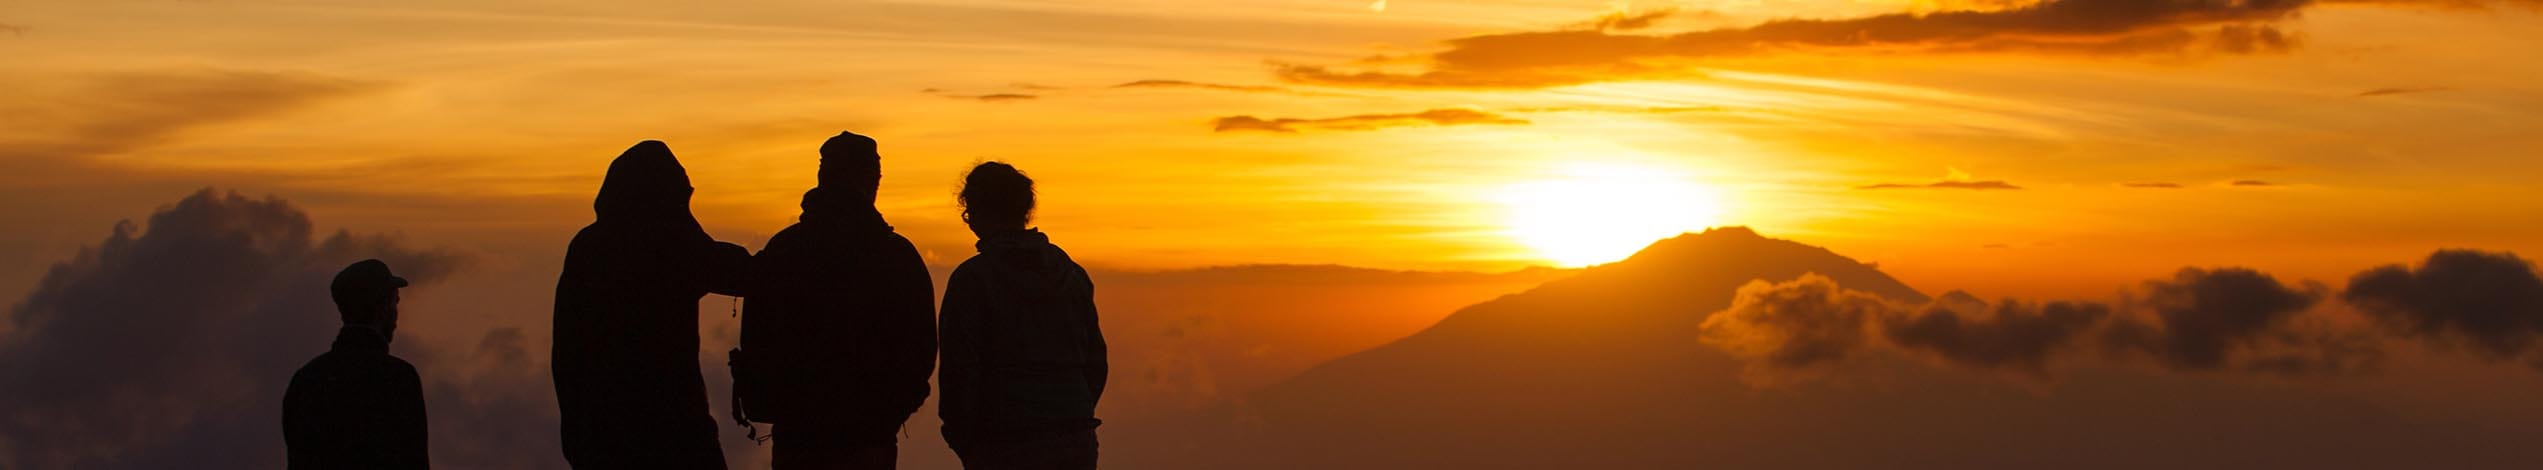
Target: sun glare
1591 214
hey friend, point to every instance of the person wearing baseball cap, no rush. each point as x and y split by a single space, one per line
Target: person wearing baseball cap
356 406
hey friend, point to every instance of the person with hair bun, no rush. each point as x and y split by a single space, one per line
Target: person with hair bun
1023 355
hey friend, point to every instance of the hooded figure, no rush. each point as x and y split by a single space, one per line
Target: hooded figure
1024 355
839 336
626 347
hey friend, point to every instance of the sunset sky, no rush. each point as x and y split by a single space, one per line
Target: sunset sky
2042 149
2312 137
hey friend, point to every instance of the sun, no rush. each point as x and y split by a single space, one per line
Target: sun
1590 214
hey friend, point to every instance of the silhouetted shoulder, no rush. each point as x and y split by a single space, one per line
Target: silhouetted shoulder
786 235
900 245
399 370
966 272
582 238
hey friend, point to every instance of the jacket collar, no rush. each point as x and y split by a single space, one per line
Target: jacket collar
820 210
1012 240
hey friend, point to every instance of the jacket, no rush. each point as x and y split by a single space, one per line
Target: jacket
839 327
625 357
1024 352
355 407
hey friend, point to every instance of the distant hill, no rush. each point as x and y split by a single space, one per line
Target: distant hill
1603 370
1188 339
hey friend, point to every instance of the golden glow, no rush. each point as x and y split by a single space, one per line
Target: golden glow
1592 214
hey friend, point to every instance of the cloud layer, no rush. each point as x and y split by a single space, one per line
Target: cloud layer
1601 51
2197 320
1947 184
1362 122
115 112
2488 303
167 345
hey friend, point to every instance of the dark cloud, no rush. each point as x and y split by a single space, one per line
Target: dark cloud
115 112
1629 21
1948 184
2491 303
2151 185
2065 27
497 409
2200 318
981 97
1789 327
2011 335
2400 91
14 29
1794 325
1627 109
1435 117
1158 83
168 344
2251 183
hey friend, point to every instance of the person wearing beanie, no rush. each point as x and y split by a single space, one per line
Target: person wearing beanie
628 389
356 406
839 335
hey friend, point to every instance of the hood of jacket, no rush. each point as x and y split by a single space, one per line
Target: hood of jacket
645 185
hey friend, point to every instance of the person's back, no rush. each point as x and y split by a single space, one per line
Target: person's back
624 356
838 335
1024 356
357 407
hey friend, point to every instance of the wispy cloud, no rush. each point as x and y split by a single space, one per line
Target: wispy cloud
2154 185
2400 91
1955 179
122 111
982 97
1602 50
1978 185
1630 21
1435 117
1163 83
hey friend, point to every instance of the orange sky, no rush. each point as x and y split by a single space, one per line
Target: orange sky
2364 132
1191 152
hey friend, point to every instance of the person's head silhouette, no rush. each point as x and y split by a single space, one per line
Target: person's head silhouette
646 181
851 169
366 296
996 197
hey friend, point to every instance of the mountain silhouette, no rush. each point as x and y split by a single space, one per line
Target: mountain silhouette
1605 370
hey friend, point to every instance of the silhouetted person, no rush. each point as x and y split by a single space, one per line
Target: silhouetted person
839 335
1024 356
626 348
356 406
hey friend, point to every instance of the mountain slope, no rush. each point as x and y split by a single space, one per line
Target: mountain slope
1604 370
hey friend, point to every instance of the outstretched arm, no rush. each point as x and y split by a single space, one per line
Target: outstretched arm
724 265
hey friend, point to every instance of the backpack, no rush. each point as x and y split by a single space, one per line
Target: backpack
750 397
